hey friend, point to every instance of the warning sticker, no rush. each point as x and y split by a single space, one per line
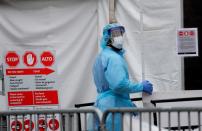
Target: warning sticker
19 122
49 122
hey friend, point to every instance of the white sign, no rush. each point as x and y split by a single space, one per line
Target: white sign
31 84
20 122
30 77
48 122
187 42
37 122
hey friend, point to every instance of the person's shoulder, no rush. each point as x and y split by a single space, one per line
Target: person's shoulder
110 54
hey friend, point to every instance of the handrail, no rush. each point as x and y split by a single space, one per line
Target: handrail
142 110
70 110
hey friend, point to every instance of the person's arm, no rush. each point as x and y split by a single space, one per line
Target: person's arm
117 77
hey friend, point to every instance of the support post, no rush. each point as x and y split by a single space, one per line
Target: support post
112 17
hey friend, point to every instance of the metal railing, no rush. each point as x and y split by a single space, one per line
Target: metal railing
123 119
117 119
48 120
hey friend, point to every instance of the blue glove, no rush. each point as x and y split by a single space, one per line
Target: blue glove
147 87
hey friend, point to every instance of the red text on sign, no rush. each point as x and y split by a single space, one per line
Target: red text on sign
47 58
46 97
23 98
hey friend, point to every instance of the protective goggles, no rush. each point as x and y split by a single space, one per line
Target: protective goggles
116 31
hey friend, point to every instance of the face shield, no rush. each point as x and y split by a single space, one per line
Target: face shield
116 34
116 31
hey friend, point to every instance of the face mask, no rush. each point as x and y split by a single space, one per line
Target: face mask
118 42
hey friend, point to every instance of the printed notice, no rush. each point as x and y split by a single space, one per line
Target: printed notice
45 97
31 84
30 77
187 42
20 98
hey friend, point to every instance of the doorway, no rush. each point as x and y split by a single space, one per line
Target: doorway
193 65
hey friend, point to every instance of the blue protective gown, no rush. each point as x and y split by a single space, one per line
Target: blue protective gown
111 78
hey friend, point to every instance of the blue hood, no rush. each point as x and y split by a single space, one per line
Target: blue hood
106 35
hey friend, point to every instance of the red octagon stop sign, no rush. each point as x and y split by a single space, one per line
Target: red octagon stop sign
47 58
12 58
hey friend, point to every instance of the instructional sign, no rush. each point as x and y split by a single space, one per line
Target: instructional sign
31 98
187 42
31 84
30 77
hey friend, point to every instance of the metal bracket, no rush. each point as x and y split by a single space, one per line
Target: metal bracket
1 72
2 90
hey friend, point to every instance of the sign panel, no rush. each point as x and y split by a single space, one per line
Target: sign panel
30 77
187 42
31 83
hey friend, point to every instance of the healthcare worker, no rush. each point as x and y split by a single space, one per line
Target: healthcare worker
111 76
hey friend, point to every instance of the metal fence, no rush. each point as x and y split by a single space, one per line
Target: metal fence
49 120
154 119
119 119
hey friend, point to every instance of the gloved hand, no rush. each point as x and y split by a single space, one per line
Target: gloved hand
147 87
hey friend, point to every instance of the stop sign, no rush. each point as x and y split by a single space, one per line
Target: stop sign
53 124
16 126
29 58
42 125
27 124
12 59
47 58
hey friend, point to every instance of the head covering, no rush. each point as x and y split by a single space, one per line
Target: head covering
106 33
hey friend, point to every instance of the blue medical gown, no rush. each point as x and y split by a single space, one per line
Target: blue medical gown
111 78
